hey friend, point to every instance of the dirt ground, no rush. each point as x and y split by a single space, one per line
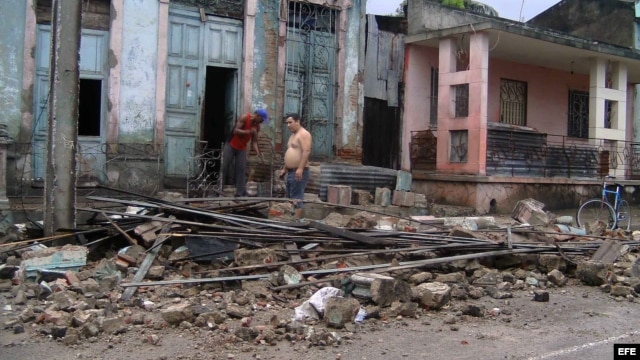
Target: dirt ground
578 322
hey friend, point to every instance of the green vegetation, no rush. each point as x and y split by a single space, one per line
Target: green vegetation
456 3
469 5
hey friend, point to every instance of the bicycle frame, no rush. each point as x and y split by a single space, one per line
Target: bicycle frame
611 208
617 194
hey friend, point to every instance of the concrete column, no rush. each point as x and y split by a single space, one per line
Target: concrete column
6 216
619 85
596 101
447 56
447 69
635 136
478 100
161 71
115 47
599 93
62 124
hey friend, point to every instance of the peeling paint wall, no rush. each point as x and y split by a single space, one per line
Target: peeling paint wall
265 59
352 87
266 87
138 71
12 29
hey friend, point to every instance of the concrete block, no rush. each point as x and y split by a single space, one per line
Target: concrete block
54 258
361 197
403 198
403 181
383 197
339 194
594 273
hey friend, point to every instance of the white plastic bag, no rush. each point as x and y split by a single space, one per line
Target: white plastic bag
314 307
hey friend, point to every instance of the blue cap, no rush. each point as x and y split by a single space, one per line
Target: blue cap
264 115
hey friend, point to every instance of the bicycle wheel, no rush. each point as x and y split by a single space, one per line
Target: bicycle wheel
596 210
624 215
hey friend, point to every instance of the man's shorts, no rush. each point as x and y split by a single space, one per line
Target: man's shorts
294 188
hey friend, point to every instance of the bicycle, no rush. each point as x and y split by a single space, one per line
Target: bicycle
613 215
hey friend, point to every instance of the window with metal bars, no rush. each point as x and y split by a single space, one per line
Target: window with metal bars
459 146
460 100
610 107
513 102
433 99
578 122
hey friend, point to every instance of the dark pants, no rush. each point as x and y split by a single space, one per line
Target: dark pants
230 154
294 188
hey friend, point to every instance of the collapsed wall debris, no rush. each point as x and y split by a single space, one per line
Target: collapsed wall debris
240 267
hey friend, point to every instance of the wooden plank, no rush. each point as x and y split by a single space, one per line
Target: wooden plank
131 240
610 251
146 263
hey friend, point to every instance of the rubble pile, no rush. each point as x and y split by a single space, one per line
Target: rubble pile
244 274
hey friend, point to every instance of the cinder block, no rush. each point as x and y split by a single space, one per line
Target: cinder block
530 211
339 194
403 181
361 197
383 197
403 198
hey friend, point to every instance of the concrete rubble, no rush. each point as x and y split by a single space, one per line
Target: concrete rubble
315 282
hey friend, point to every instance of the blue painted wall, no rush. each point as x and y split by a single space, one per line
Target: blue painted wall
11 60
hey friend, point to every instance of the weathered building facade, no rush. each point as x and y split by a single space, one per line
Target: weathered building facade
497 111
162 82
613 22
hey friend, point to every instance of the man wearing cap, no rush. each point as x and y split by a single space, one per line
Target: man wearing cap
244 131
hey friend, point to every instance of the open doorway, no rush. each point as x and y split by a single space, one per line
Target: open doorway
219 107
218 118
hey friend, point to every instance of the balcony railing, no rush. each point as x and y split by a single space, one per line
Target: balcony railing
520 151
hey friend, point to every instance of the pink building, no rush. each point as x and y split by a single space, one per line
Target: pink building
514 111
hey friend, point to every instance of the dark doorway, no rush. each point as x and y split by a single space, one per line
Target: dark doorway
219 107
381 134
90 105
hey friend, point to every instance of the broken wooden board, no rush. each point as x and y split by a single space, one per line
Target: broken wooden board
610 251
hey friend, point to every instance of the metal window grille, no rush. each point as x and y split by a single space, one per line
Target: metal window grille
578 114
608 113
433 99
461 100
459 146
513 102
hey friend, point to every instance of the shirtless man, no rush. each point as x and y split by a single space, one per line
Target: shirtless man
296 161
